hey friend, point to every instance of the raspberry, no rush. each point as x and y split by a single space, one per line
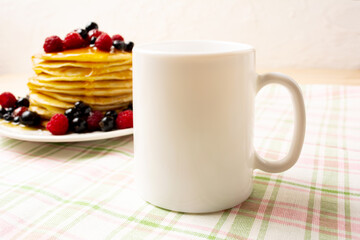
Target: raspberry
7 100
117 37
103 42
95 33
58 124
18 111
73 40
93 120
124 119
53 44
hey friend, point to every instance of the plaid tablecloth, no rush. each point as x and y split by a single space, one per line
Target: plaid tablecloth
86 190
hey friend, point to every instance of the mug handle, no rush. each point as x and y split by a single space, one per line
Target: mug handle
300 123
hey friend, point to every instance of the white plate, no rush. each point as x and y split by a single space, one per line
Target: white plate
45 136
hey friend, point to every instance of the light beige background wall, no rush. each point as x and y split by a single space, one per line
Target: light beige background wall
286 33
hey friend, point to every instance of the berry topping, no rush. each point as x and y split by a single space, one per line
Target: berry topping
73 40
18 111
93 120
72 113
91 26
16 119
111 113
103 42
124 119
83 33
22 102
29 118
95 33
2 112
129 46
53 44
58 124
79 125
119 45
107 124
92 40
117 37
7 100
8 117
83 108
9 110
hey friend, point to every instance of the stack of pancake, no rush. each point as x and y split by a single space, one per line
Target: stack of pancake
103 80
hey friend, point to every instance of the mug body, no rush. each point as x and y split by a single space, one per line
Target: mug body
193 124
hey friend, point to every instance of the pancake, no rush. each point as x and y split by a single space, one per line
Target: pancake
45 113
37 62
103 80
81 84
67 101
80 72
39 99
123 75
93 100
86 55
82 91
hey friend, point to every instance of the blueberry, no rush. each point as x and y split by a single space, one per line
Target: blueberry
111 113
119 45
79 125
22 102
9 110
83 33
107 124
2 112
72 113
8 117
30 118
91 26
129 47
92 40
16 119
87 111
82 107
130 106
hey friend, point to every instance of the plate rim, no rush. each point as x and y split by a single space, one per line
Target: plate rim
10 132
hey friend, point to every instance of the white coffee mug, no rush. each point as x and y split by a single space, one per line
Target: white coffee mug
193 124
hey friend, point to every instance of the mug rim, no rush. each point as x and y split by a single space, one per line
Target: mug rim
235 48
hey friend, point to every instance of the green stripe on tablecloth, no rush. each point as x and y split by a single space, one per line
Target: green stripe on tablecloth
176 218
346 174
6 142
243 223
156 216
219 224
331 178
129 219
269 208
309 217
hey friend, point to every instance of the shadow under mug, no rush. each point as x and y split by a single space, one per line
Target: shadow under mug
193 124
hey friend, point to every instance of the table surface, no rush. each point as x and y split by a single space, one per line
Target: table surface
86 190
